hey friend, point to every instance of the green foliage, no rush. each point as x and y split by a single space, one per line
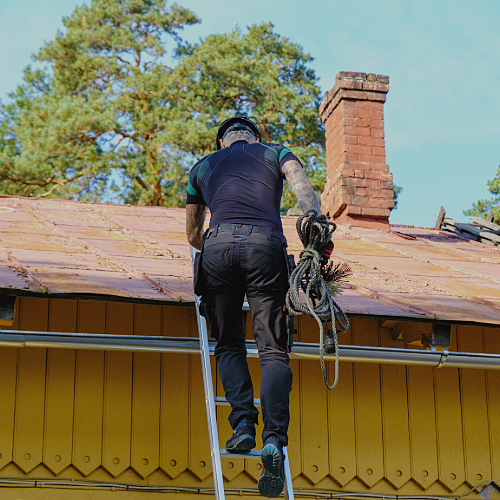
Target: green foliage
101 104
481 208
105 102
397 191
262 75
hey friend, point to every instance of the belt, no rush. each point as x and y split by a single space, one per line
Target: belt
244 229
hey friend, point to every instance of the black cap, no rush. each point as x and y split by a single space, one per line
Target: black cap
225 125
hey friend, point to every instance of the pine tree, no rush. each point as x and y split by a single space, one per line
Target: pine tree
102 116
481 208
259 74
102 102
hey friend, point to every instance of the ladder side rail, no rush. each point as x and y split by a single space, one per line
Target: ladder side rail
288 489
213 433
210 405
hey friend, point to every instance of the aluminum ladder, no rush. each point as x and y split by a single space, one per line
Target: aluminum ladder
211 401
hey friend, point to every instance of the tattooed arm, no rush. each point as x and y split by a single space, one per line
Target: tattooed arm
195 220
300 185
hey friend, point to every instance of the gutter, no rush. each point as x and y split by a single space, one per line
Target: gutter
300 351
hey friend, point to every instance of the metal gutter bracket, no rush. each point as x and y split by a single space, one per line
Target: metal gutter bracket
444 357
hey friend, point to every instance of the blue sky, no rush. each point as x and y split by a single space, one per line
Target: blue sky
442 115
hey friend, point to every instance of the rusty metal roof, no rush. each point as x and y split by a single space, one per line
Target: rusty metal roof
135 253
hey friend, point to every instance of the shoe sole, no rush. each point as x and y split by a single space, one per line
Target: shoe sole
270 483
246 443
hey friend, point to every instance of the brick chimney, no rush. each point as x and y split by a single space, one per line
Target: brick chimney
359 189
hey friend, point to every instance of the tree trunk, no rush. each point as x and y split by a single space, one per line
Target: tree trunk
156 188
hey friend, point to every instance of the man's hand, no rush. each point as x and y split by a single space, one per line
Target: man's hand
195 220
300 185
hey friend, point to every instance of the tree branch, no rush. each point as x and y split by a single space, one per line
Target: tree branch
141 182
63 182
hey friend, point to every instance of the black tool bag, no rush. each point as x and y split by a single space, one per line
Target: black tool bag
198 281
290 319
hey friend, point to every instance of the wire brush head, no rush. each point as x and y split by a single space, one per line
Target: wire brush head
336 272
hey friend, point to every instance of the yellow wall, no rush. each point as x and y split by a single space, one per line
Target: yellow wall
139 419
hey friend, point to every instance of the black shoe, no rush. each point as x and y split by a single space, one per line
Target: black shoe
243 438
272 480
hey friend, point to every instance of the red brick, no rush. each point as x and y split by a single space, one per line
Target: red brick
381 167
354 210
373 184
350 190
349 110
349 84
354 182
359 165
378 175
360 200
362 113
353 94
384 193
359 191
379 202
363 105
352 139
370 105
378 114
386 185
376 86
370 122
345 199
378 151
375 212
336 116
351 157
376 96
377 106
378 133
347 172
359 173
346 104
349 121
360 150
372 158
371 141
333 145
357 130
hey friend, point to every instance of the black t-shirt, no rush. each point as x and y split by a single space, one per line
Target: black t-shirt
241 184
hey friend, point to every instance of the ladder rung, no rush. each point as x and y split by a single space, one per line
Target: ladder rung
249 454
221 401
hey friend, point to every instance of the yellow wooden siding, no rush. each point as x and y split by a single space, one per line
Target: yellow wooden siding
492 345
451 469
140 419
117 404
175 391
474 411
342 428
397 461
30 390
60 389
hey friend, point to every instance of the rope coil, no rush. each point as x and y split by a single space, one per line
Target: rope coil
319 282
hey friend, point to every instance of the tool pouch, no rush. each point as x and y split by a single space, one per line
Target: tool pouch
290 264
290 319
198 281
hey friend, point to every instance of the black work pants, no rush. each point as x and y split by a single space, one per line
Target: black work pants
253 264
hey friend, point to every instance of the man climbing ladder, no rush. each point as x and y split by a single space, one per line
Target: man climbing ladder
243 252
